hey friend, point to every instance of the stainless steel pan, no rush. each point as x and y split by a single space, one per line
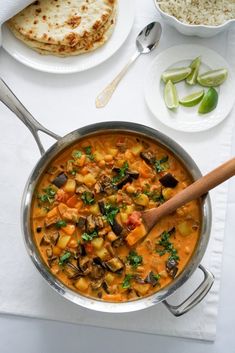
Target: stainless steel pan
10 100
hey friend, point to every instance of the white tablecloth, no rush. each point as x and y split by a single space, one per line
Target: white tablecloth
63 104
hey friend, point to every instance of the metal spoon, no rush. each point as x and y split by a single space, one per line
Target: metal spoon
146 41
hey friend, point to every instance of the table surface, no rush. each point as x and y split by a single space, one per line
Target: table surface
31 335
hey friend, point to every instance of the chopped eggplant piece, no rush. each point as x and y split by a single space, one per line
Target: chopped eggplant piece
118 242
148 157
98 261
116 227
97 272
106 185
168 180
139 280
110 249
85 264
81 223
45 240
152 279
105 287
171 263
90 224
127 179
171 267
81 189
96 284
115 264
82 250
102 207
72 271
116 169
60 180
133 174
54 237
99 222
49 252
51 260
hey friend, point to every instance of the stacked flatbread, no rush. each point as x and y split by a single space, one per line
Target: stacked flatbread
65 27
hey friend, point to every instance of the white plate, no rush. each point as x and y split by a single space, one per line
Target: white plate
53 64
187 119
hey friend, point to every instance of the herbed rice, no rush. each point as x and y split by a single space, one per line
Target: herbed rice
196 12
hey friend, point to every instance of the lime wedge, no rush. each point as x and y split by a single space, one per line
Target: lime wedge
192 99
213 78
195 65
209 101
176 75
171 96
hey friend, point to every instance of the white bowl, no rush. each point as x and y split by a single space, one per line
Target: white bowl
193 30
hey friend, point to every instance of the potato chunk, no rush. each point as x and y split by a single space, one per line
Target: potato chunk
136 234
82 284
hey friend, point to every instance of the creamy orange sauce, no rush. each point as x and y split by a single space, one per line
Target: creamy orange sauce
96 259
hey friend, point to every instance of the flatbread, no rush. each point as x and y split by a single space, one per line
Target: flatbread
93 47
87 44
62 22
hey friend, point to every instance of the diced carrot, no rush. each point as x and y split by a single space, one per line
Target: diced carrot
69 229
136 234
72 201
113 297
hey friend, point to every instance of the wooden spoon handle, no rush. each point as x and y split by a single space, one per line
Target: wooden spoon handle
192 192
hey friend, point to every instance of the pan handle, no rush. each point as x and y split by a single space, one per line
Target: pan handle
12 102
195 297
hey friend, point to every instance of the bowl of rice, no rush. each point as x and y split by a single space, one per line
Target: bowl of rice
203 18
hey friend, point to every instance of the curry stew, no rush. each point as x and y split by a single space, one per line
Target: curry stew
86 217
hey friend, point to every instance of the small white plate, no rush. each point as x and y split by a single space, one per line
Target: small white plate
188 119
53 64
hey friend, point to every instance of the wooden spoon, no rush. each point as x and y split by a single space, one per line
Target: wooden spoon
192 192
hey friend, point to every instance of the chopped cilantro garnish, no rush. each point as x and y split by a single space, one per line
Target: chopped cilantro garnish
127 281
48 196
60 224
121 173
64 258
167 246
154 195
89 237
89 153
110 212
88 198
159 164
156 277
134 259
77 154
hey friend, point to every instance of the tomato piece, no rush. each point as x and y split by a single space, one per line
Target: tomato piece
89 248
72 201
134 220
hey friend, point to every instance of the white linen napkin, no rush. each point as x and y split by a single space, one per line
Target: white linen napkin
9 8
